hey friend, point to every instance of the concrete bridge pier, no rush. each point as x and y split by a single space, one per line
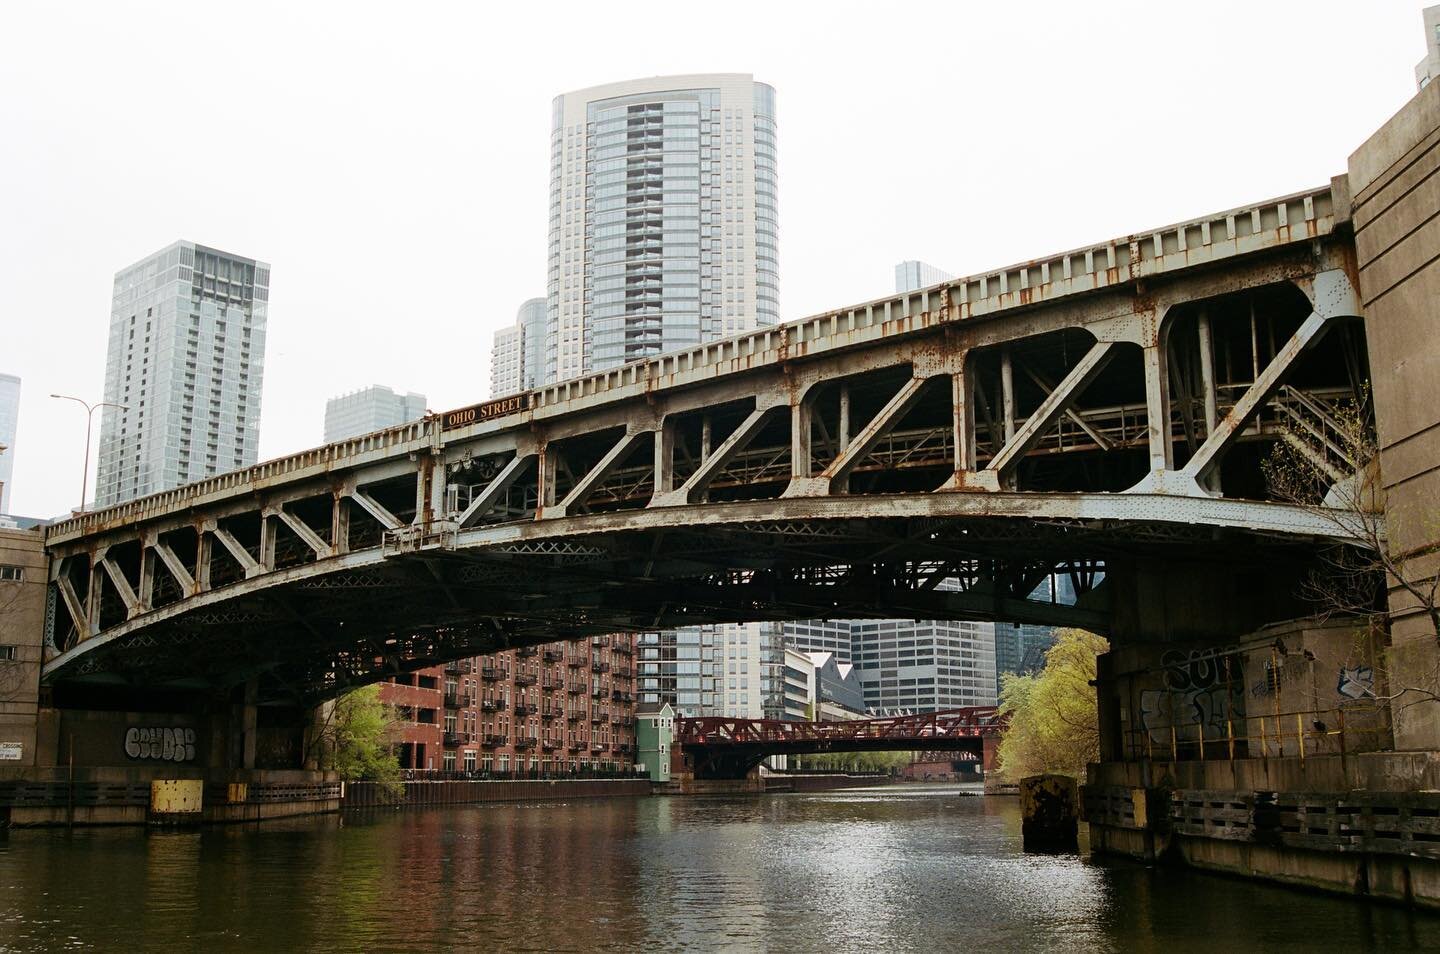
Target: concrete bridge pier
1307 752
119 756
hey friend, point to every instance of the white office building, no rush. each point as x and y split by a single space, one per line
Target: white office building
913 275
9 421
517 352
663 228
186 360
370 409
1428 68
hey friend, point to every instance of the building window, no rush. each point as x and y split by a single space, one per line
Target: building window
12 574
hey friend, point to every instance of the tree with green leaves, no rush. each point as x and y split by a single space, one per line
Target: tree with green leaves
354 738
1054 722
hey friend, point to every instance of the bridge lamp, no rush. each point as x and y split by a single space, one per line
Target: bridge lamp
89 419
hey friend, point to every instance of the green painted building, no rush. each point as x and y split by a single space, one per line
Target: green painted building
654 733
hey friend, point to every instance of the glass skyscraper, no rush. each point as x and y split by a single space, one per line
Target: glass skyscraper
186 359
663 230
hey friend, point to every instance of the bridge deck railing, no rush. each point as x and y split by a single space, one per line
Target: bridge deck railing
1298 217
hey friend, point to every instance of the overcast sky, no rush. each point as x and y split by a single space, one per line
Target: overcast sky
391 162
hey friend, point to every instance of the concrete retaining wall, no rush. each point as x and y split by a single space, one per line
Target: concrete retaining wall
463 792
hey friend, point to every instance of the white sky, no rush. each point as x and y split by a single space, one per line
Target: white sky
391 162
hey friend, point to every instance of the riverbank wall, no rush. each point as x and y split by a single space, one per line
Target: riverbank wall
115 796
420 793
1366 824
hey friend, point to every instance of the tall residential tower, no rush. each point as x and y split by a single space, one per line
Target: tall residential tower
517 354
663 225
186 359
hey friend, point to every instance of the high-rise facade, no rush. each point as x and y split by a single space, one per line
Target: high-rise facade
186 360
9 421
731 669
1428 68
912 275
920 665
517 353
370 409
1020 649
663 229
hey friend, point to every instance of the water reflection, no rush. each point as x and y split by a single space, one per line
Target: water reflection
922 868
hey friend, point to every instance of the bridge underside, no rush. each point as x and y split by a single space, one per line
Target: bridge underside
370 616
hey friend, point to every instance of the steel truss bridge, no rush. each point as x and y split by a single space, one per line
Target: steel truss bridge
939 454
729 748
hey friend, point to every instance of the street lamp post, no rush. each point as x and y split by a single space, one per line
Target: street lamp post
89 418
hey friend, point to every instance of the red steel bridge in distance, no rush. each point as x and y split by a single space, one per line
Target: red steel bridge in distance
715 747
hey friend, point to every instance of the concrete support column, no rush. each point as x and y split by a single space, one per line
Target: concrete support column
665 456
1157 409
203 544
800 439
1207 373
964 422
267 542
1007 393
243 725
146 593
340 524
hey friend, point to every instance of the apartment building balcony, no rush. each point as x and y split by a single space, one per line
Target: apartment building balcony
494 673
553 655
526 708
490 705
492 740
452 739
526 651
600 667
600 641
525 679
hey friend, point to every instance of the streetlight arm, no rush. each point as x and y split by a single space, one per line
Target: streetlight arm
89 419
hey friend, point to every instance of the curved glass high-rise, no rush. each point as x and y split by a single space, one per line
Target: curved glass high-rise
663 229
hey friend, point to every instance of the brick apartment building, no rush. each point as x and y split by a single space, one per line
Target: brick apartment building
562 707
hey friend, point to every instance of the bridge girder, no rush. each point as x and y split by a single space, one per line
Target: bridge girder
1053 416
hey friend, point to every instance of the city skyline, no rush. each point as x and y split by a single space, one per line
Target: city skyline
296 210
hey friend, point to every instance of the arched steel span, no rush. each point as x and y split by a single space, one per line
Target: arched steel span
937 454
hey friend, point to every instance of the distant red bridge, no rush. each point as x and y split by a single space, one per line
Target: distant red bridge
723 748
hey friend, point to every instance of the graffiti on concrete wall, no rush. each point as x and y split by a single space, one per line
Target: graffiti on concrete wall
160 743
1356 682
1202 696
